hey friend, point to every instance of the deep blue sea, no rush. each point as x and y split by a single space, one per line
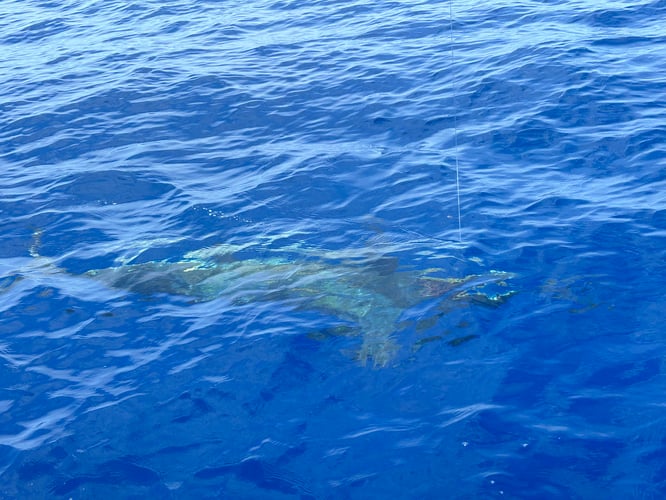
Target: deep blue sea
325 249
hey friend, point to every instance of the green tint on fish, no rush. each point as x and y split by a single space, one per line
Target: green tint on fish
372 293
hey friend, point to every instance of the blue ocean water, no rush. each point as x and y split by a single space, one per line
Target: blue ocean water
231 262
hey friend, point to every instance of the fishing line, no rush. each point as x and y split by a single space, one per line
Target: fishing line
455 123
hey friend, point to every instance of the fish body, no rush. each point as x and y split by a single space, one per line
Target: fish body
371 293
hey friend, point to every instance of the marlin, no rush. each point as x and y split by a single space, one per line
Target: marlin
368 291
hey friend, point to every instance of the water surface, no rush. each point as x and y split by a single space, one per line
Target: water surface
321 136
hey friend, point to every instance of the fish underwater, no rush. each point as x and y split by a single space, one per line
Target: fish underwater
368 290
